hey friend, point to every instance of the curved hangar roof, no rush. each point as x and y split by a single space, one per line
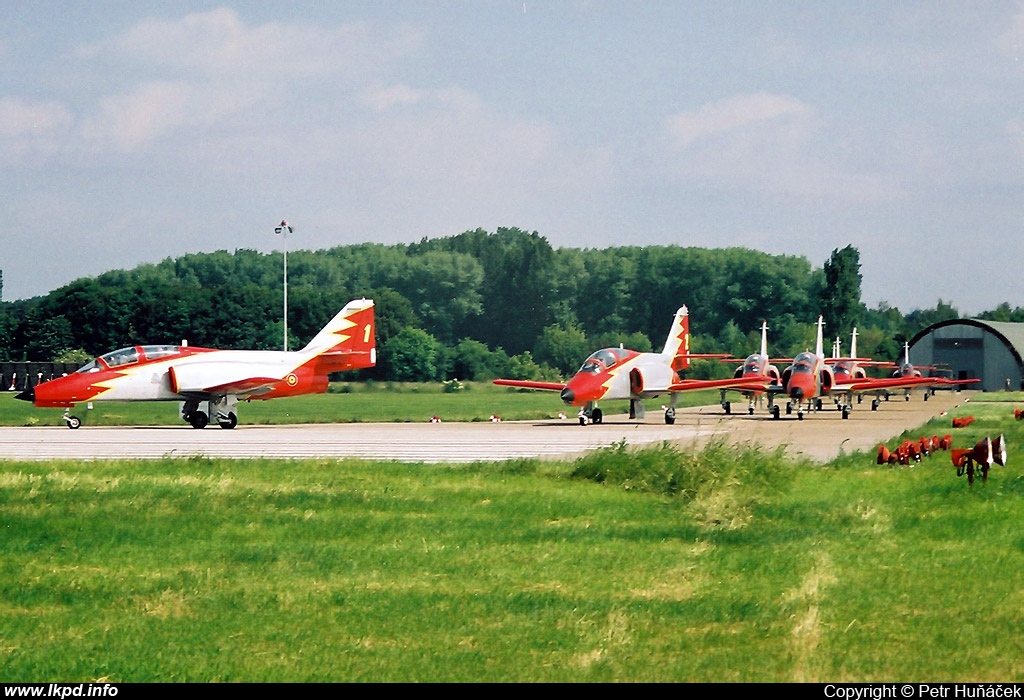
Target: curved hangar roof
988 350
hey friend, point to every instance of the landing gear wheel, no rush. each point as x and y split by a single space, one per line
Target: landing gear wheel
230 422
750 410
74 422
800 415
670 416
874 404
198 420
846 412
597 417
775 412
728 407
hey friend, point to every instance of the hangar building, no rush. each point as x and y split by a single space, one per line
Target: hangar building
988 350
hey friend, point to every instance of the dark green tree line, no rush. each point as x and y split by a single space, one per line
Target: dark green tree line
476 305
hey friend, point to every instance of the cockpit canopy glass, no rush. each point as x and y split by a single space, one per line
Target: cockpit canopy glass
804 363
752 365
603 360
129 356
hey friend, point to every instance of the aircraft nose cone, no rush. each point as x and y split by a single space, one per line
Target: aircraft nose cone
27 395
797 392
568 395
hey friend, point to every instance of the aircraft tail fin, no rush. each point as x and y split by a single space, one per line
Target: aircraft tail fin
819 347
348 341
764 338
677 345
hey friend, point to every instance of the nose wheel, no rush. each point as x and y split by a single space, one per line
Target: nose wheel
73 422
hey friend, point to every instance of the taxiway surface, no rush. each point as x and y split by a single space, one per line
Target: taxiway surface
820 436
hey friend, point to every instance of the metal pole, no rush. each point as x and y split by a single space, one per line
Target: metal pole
284 229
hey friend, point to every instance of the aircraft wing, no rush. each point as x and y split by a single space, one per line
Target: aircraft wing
868 385
526 384
738 383
943 381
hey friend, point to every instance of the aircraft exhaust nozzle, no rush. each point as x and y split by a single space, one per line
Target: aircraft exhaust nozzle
567 395
27 395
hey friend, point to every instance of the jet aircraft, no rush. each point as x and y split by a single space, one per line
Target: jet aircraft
619 373
209 382
757 367
907 370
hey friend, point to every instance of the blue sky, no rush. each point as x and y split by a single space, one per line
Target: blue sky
135 131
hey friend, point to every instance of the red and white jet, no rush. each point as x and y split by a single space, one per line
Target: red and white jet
907 370
209 382
618 373
757 367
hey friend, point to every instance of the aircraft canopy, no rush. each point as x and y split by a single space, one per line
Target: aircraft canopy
603 360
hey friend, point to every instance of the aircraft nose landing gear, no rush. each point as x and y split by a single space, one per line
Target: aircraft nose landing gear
73 422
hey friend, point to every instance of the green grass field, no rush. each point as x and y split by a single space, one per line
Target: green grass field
656 565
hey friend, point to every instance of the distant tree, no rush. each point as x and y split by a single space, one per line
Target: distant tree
1003 313
564 349
518 286
8 328
919 319
50 337
840 298
472 360
413 355
72 355
631 341
523 366
734 341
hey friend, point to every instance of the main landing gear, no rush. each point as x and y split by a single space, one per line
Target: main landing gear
197 413
591 414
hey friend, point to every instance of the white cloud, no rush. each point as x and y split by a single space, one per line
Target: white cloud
30 131
156 110
730 115
382 99
771 144
21 118
1011 42
218 44
167 77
